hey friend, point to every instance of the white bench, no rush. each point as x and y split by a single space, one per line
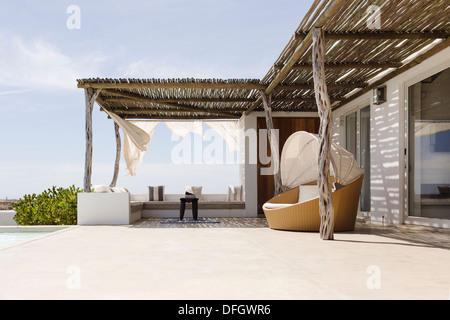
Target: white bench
123 208
106 209
210 205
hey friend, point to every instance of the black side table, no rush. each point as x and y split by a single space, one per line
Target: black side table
194 207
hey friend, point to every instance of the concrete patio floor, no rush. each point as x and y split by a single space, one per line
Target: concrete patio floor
144 261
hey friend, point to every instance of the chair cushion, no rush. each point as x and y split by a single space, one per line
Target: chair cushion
308 192
276 205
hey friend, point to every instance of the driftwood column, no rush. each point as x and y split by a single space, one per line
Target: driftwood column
273 141
118 149
90 96
323 105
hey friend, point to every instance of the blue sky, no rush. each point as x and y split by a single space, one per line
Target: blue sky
42 110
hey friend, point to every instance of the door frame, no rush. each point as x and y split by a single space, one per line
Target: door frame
405 218
343 141
313 123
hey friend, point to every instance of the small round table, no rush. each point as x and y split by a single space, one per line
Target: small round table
194 207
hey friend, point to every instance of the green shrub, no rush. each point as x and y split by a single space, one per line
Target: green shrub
56 206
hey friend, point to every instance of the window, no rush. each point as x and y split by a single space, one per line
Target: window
429 147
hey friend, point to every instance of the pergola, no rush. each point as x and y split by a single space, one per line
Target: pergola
341 50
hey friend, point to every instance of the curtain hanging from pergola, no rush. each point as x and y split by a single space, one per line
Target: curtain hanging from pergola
228 130
132 152
182 128
138 135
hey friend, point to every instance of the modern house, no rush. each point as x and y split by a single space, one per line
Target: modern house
387 65
388 73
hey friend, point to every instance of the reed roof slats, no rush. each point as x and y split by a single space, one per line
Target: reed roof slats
355 55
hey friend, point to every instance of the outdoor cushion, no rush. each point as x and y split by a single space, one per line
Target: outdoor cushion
156 193
308 193
118 190
101 189
337 186
197 190
276 205
189 195
234 193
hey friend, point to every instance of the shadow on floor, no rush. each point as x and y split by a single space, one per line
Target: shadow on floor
412 235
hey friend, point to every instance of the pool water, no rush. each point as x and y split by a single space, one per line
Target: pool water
7 239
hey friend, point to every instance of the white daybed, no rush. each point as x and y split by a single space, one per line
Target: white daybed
118 207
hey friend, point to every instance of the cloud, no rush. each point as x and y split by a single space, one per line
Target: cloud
37 64
6 93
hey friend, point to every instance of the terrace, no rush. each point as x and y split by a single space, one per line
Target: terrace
362 50
238 259
241 258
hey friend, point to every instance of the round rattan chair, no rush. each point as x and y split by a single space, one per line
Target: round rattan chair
298 208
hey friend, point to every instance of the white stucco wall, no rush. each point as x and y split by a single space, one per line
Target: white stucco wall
388 142
103 209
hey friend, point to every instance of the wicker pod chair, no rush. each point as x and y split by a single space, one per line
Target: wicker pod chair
298 208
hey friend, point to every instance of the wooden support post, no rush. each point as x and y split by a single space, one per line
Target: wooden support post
326 208
118 149
90 97
274 146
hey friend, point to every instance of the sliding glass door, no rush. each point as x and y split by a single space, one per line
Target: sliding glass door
357 141
429 147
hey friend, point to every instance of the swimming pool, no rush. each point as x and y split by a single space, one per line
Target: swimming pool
7 239
15 235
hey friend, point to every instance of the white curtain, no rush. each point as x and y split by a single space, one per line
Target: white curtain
136 139
228 130
139 137
132 152
182 128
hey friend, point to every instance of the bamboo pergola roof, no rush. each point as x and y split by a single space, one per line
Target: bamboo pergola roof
174 98
356 53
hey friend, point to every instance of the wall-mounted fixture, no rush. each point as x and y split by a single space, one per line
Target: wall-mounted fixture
379 95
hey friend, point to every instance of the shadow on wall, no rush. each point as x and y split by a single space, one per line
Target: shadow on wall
385 161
